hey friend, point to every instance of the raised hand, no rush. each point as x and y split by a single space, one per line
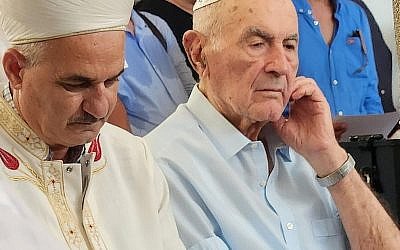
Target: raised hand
309 129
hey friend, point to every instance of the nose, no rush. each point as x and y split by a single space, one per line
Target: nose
96 102
277 62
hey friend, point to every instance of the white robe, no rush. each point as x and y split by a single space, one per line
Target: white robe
126 205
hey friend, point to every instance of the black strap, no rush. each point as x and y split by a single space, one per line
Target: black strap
154 30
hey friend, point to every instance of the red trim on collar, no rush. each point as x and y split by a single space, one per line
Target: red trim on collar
95 147
9 160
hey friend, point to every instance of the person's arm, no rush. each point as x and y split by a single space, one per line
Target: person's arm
311 134
119 116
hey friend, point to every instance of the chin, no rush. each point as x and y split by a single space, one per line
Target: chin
272 112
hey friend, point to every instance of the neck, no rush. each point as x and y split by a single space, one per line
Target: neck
58 153
67 155
250 130
312 2
184 5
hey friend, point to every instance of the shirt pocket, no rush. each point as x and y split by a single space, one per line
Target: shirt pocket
356 57
326 227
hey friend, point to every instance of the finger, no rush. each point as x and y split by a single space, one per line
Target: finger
304 88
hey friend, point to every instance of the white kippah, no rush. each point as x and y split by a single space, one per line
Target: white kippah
26 21
201 3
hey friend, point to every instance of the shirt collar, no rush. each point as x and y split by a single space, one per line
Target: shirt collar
13 124
138 22
275 143
228 139
304 7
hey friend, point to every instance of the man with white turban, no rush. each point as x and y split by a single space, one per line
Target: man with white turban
67 178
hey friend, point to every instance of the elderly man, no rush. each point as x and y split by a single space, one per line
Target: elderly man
230 191
67 178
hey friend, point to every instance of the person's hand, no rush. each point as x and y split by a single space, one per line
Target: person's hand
309 129
339 128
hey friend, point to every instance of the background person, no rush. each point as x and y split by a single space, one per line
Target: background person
383 60
152 89
336 50
177 14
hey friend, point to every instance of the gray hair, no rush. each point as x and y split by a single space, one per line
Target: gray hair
31 51
207 20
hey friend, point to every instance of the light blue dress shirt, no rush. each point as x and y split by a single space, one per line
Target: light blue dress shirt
222 195
156 81
344 71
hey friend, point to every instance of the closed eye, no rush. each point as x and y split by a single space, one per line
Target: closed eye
110 82
290 46
74 87
290 43
257 45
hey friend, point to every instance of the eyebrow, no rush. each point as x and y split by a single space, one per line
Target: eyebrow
292 37
80 78
256 31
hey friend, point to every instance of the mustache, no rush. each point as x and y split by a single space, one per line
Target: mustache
86 118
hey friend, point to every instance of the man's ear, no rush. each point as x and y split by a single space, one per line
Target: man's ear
13 64
193 41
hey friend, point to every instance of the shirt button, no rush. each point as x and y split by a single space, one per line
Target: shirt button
262 184
316 22
383 91
290 226
301 10
68 169
309 12
335 82
340 113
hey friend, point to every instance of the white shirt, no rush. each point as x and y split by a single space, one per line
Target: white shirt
125 203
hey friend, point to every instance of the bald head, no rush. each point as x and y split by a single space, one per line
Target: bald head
216 18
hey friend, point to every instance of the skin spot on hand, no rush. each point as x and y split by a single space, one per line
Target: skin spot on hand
250 10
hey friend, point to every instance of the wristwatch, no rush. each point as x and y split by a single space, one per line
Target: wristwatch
338 174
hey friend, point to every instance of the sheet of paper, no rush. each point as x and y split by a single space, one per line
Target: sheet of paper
369 124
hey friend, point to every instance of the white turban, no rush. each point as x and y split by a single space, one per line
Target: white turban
26 21
202 3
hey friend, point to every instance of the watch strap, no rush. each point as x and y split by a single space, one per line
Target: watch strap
338 174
